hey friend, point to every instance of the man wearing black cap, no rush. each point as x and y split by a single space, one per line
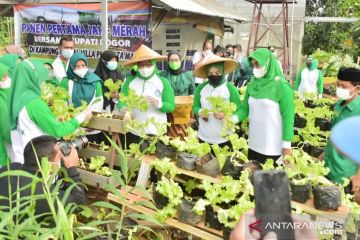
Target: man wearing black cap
347 90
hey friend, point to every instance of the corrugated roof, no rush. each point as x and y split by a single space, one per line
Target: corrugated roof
201 7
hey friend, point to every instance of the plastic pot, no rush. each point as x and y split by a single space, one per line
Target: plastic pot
351 236
226 233
310 104
300 193
323 124
208 165
299 122
315 151
211 219
306 147
186 160
163 151
186 213
326 197
232 167
160 200
144 145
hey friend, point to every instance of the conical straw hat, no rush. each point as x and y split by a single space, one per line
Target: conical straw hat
229 66
144 53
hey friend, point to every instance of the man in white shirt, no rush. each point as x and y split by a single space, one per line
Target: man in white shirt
202 56
66 50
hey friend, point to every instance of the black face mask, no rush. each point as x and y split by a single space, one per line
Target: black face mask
215 80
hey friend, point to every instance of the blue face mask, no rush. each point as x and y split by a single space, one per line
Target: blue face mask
112 65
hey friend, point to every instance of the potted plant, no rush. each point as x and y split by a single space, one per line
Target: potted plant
327 196
208 164
186 212
95 173
170 190
299 121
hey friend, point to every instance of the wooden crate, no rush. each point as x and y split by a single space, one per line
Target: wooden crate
96 180
106 124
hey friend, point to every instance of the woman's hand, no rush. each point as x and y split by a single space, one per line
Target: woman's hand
219 115
115 95
152 101
286 151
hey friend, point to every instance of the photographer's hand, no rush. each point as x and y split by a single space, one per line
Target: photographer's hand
72 160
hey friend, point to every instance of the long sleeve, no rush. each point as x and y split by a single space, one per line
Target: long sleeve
125 91
77 193
65 83
97 107
320 83
297 80
287 110
192 86
244 111
41 115
235 98
167 104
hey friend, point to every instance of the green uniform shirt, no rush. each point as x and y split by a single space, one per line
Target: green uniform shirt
183 84
4 126
340 166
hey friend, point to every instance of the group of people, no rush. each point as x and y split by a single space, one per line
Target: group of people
268 102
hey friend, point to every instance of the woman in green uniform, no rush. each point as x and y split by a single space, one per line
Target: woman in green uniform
30 116
347 90
182 82
5 83
269 105
10 60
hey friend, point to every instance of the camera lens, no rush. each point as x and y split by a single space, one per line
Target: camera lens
80 142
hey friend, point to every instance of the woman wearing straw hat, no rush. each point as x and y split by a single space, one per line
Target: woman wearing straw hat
269 104
147 83
214 69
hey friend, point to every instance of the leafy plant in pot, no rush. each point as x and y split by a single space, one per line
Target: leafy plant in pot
189 150
172 192
222 195
235 161
166 167
186 212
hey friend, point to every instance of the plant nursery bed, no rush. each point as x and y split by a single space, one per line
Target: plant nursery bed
131 198
96 180
113 125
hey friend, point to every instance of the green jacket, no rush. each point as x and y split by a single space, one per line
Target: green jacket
340 166
183 84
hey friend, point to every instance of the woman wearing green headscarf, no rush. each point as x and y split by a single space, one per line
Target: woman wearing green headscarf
182 82
210 126
269 105
5 82
309 79
82 84
10 60
30 116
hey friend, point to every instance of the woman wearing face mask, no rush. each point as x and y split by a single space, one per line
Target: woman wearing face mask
182 82
10 60
309 79
5 83
210 127
30 116
149 84
105 69
347 90
269 104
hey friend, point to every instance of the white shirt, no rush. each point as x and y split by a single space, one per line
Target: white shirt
59 70
308 82
152 87
265 127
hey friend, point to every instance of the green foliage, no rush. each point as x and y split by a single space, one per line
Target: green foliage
190 185
173 192
97 165
6 31
133 101
113 87
219 105
191 144
166 167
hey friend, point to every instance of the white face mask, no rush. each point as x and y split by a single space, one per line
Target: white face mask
5 84
67 53
259 72
81 72
343 94
146 71
112 65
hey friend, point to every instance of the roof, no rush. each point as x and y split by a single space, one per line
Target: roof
271 1
201 7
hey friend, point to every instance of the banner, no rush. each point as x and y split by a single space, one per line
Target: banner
42 26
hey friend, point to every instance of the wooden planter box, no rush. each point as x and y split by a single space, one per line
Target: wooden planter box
96 180
113 125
